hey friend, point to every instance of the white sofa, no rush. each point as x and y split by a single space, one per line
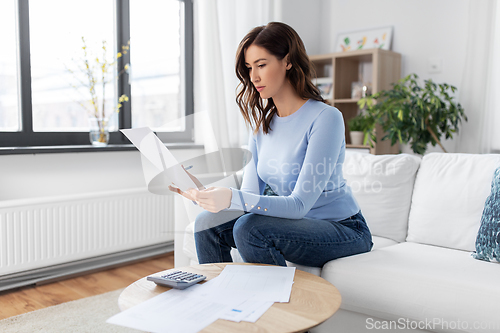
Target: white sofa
424 215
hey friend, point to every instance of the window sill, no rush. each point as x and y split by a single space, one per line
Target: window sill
87 148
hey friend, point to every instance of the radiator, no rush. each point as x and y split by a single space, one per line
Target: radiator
51 231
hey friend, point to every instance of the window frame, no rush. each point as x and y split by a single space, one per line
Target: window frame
26 137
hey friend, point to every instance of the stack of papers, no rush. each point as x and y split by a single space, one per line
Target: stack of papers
239 293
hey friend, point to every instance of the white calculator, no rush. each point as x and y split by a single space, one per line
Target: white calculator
177 279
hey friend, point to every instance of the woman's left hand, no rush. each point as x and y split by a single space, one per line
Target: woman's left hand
213 199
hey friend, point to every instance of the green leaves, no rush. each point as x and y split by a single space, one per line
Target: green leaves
414 114
366 124
400 115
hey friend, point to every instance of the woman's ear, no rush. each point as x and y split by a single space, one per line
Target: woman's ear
288 63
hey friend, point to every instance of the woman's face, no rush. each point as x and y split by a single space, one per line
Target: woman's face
267 73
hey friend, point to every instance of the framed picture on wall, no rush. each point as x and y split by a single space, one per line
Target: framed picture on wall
380 38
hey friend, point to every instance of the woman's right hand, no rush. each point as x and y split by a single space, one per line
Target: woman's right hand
186 194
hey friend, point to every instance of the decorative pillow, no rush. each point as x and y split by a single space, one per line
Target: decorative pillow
488 237
269 191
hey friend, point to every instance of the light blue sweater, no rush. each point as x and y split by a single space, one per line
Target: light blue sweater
301 160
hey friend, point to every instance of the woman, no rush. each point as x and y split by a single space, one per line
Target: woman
298 150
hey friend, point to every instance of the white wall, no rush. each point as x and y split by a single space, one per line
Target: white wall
423 29
306 18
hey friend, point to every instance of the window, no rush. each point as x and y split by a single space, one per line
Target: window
52 98
155 79
56 94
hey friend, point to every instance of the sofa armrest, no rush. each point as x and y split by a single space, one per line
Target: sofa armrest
185 214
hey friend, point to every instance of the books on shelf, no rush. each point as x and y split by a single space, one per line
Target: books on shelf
325 85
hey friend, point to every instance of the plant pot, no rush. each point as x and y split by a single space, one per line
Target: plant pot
99 132
357 137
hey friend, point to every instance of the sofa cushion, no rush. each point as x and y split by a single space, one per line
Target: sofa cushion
383 185
419 282
448 199
488 237
380 242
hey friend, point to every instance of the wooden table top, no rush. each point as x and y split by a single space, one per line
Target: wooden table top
312 301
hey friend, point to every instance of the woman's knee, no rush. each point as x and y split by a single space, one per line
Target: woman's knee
207 220
202 221
245 226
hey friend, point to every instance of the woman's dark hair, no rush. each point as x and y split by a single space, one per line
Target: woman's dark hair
280 40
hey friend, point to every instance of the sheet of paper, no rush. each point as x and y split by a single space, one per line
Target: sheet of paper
249 311
258 312
241 305
268 283
209 291
169 169
171 312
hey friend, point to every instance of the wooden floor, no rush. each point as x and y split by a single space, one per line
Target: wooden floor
28 299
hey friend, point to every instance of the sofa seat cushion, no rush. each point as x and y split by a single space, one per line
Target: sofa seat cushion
383 187
448 199
380 242
419 282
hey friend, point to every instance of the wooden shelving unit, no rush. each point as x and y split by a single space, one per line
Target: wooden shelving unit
378 67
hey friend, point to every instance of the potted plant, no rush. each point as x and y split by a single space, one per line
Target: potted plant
415 115
361 129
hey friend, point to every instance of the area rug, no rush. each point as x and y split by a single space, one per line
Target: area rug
83 315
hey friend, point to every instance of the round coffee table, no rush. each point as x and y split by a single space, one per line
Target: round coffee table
312 301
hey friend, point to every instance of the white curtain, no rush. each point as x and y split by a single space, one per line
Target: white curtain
219 27
493 128
480 82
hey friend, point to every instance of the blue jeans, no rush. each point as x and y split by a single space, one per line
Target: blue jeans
272 240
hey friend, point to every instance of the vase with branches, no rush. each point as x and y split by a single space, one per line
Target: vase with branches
94 72
416 115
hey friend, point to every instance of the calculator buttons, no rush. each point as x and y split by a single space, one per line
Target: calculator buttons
177 279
